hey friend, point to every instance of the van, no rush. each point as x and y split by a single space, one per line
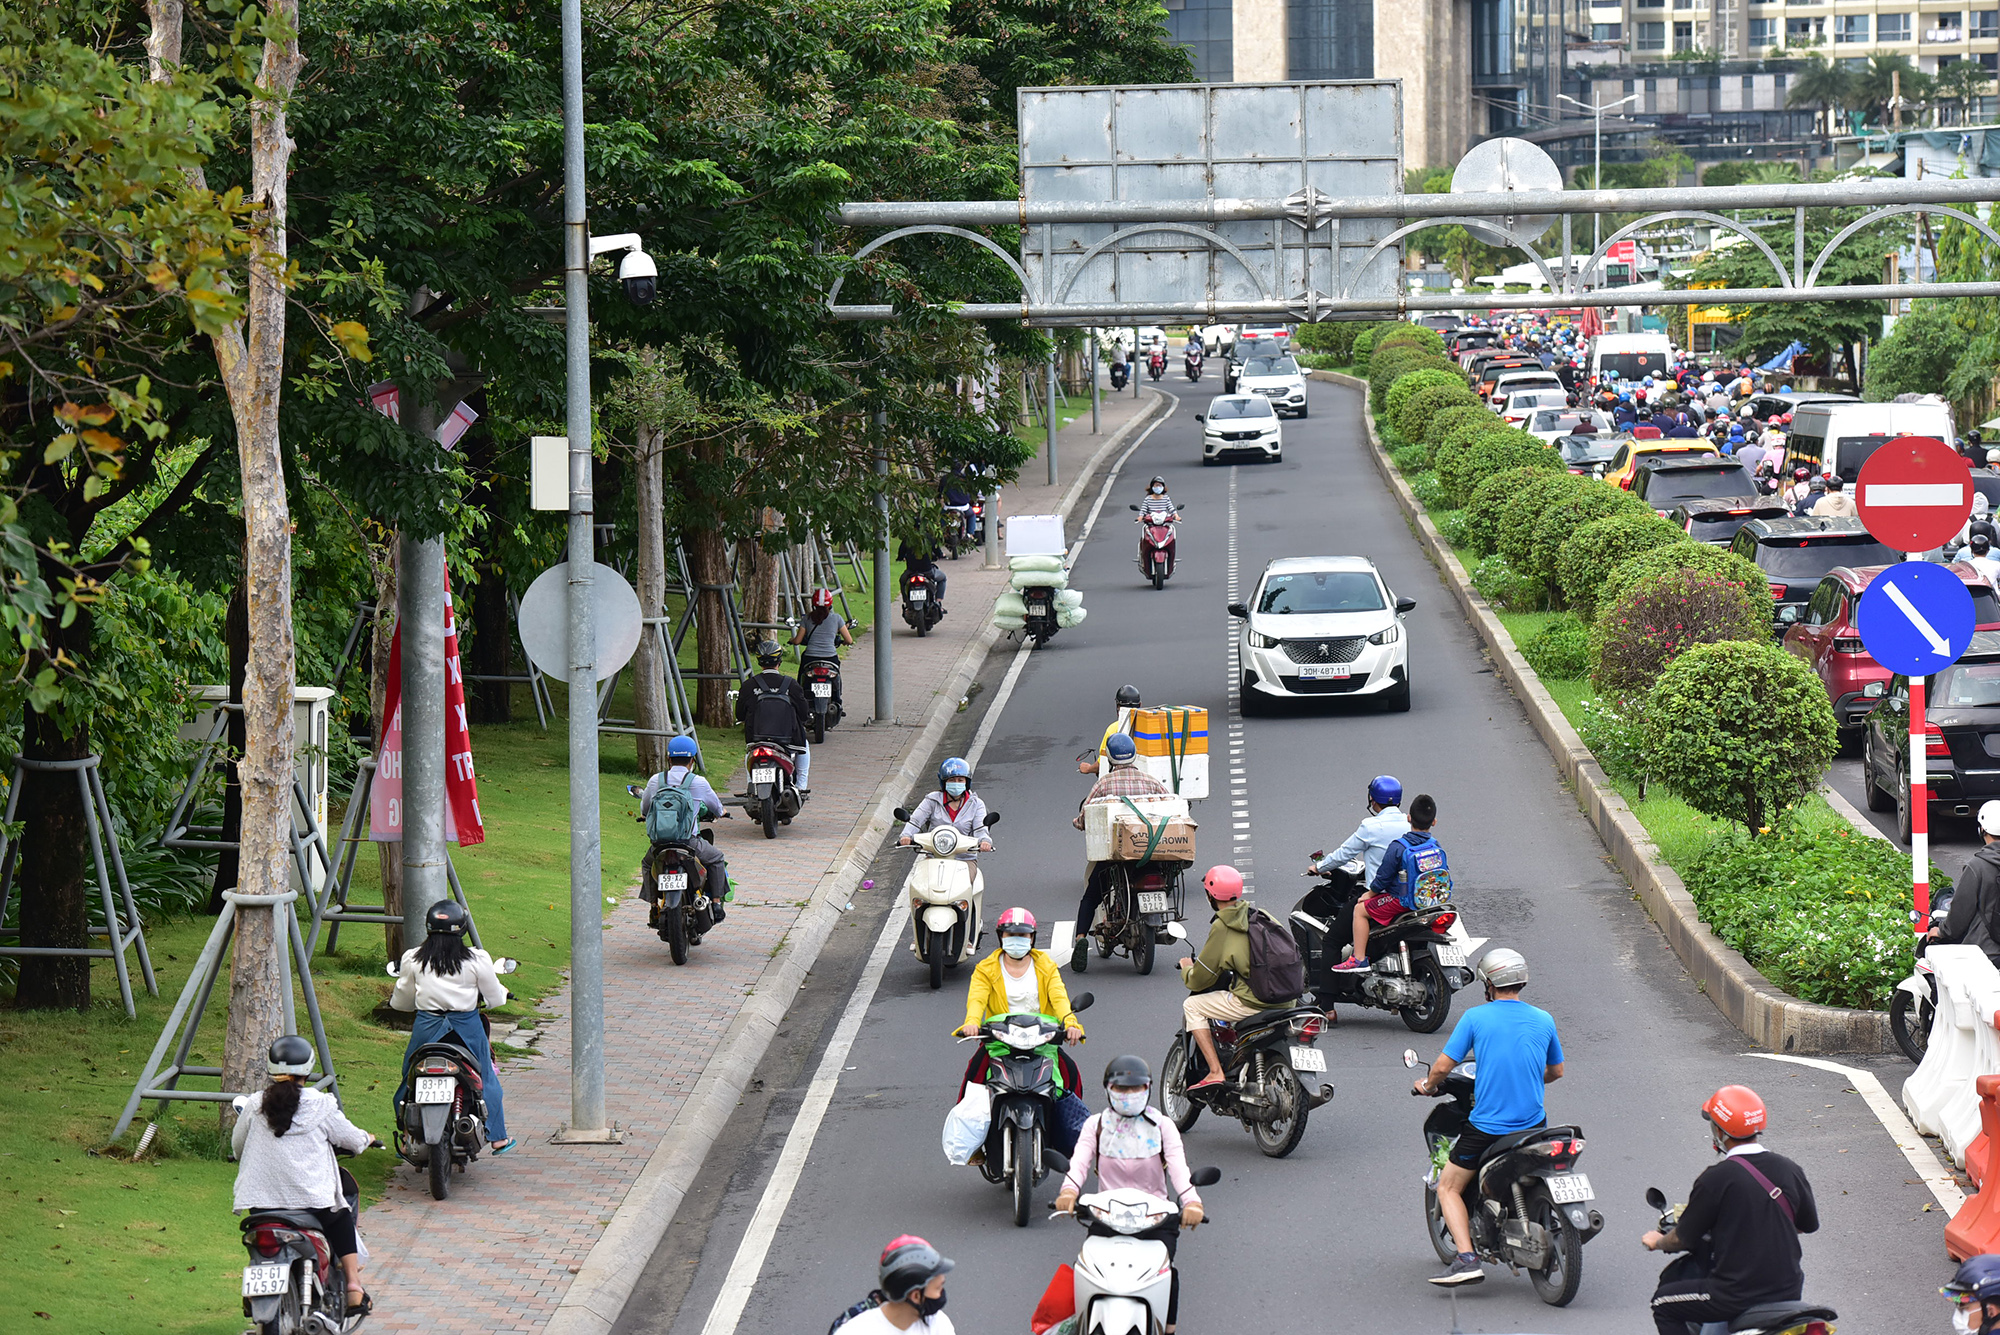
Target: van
1632 356
1839 437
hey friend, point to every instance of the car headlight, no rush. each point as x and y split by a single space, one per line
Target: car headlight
1387 635
1262 641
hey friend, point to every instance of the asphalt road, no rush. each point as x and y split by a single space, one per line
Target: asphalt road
1953 838
1332 1237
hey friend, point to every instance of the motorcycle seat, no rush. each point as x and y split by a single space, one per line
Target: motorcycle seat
1779 1316
467 1062
1263 1020
290 1218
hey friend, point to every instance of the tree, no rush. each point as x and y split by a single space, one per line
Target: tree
1749 171
1963 82
1887 78
1822 84
1919 355
1457 249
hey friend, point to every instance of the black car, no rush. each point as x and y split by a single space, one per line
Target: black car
1243 352
1794 553
1716 522
1962 738
1665 480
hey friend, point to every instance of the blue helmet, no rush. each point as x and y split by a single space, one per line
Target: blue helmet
1385 790
1119 750
953 767
1978 1277
683 748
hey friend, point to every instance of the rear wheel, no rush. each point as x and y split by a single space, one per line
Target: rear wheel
1285 1126
1430 1016
923 625
1142 948
1174 1100
291 1307
675 931
819 725
1878 799
1910 1022
1905 823
1024 1174
768 817
1557 1281
440 1171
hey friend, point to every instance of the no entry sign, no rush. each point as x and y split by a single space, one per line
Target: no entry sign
1914 493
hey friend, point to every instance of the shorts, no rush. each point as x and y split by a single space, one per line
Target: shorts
1383 909
1472 1143
1202 1007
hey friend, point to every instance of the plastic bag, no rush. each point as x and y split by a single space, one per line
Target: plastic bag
1035 563
1071 616
1057 1309
966 1124
1039 579
1064 597
1009 604
1009 623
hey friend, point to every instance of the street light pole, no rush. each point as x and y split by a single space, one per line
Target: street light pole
1597 110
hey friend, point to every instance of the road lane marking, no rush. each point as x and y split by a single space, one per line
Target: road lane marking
1943 1186
1232 667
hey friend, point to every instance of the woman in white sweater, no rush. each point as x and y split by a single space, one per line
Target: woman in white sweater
445 981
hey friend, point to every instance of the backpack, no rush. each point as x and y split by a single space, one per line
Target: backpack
672 819
868 1304
1428 872
1277 971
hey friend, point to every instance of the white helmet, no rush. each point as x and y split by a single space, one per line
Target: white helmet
1502 969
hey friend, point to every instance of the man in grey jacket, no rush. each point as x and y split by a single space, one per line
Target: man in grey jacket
1977 893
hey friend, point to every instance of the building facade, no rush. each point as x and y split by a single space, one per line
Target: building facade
1931 33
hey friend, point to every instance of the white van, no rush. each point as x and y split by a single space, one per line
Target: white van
1632 356
1839 437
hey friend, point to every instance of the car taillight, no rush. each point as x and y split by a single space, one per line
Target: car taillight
1309 1028
1934 743
266 1241
1848 644
1779 590
1443 922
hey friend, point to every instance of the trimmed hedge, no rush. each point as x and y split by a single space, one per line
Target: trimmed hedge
1413 421
1590 553
1363 347
1687 555
1402 332
1447 420
1563 520
1660 618
1494 452
1520 515
1559 651
1334 338
1408 385
1489 498
1388 365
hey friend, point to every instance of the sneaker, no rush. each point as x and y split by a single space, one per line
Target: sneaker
1079 955
1465 1269
1356 965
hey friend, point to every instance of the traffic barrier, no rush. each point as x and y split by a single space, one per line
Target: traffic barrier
1975 1229
1940 1096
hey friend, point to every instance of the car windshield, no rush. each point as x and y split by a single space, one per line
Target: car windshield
1985 607
1578 449
1809 558
1271 366
1853 451
1226 409
1967 686
1321 591
1699 484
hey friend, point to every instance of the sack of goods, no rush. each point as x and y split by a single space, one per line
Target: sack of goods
1138 829
1039 579
1009 604
1065 597
1172 742
1071 616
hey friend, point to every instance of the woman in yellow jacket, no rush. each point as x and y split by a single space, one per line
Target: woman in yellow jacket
1019 979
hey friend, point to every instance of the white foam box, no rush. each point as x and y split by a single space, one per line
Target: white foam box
1035 535
1099 817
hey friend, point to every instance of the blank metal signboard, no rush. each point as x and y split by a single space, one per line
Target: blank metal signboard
1314 143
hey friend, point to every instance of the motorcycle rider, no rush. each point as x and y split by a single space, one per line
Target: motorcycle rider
1974 919
1975 1296
284 1140
1018 979
919 557
822 633
682 755
1742 1221
1384 824
1518 1054
1127 700
773 708
1131 1145
1979 555
1122 779
953 804
1157 508
444 981
911 1297
1227 950
1391 892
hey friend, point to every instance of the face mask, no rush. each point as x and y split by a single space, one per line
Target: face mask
955 787
929 1307
1159 491
1017 946
1965 1321
1127 1102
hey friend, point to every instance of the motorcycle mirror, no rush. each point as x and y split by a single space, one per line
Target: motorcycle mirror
1133 508
992 818
1205 1177
392 967
239 1102
1176 931
1656 1198
635 790
1238 610
1410 1058
1199 417
1317 854
1054 1160
901 814
1083 1001
505 966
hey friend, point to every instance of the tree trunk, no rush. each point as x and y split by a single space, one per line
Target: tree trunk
708 555
760 582
251 360
228 864
649 666
388 855
54 849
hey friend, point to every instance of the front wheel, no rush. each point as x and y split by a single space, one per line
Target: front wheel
675 930
1285 1121
1878 800
768 817
1174 1100
1910 1022
934 943
1562 1273
1159 578
1429 1017
440 1171
1024 1174
1905 821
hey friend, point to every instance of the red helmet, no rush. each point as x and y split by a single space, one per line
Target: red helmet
1736 1111
1223 883
822 598
1014 917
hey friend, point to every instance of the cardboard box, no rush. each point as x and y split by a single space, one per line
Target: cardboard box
1130 839
1102 822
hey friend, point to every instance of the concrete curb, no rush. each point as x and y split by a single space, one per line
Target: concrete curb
597 1295
1767 1016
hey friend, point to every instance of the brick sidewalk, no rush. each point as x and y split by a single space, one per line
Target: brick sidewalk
499 1255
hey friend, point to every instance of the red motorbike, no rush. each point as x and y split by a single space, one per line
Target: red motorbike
1156 546
1156 364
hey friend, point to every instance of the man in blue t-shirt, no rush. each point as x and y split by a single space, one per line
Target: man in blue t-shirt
1518 1053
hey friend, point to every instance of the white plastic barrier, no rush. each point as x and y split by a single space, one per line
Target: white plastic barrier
1939 1096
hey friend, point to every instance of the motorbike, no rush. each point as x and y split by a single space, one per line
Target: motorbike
1528 1210
947 898
1156 547
821 678
1914 1004
1275 1076
770 793
441 1105
921 608
678 904
1156 364
292 1284
1119 375
1038 617
1122 1282
1780 1318
1417 961
1193 363
1144 903
1021 1086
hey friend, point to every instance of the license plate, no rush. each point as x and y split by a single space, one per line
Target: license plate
822 688
261 1281
1570 1188
1451 957
1324 671
767 775
673 880
1153 901
1038 604
919 595
435 1088
1308 1059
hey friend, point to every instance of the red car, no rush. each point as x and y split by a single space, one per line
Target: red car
1825 636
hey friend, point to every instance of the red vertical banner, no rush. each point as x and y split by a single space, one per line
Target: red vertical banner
462 823
385 794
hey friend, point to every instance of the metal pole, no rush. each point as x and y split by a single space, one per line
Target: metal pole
420 614
1597 170
885 588
1132 365
1095 427
586 909
1049 419
1920 806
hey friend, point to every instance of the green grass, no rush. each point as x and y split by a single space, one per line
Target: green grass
103 1244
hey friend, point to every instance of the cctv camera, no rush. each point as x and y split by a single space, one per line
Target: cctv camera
640 277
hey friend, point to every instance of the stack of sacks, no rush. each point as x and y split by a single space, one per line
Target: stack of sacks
1043 572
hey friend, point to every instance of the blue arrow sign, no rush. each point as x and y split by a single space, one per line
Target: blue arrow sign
1916 618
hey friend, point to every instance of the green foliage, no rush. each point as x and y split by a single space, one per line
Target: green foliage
1363 347
1613 735
1446 421
1560 650
1495 452
1589 554
1739 731
1402 332
1414 420
1686 555
1388 365
1334 338
1521 515
1489 500
1399 394
1742 171
1660 617
1452 246
1591 502
1919 355
1661 169
1500 586
1411 458
1451 525
1427 491
1823 915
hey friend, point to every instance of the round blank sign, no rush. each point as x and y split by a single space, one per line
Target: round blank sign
1507 165
545 620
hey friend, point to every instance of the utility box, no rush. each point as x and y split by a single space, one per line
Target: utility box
310 722
1173 747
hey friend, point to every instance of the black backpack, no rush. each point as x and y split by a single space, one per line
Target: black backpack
1277 970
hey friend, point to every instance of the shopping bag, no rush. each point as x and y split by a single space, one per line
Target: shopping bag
966 1124
1058 1304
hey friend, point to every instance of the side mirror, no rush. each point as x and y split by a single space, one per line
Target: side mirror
505 966
901 814
1083 1001
1238 610
1200 417
1875 690
1205 1177
393 968
1410 1058
992 818
1133 508
1176 931
1405 604
635 790
1790 613
1656 1198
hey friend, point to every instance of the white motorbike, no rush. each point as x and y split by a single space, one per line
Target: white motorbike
1123 1282
947 897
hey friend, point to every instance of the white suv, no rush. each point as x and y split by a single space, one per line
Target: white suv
1240 424
1278 379
1324 625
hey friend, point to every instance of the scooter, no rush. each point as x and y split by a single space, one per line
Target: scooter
1021 1089
1781 1318
1274 1076
1156 547
1119 375
1418 959
770 794
1123 1282
441 1105
292 1284
679 906
947 898
821 678
1038 613
1914 1003
1193 363
1528 1210
922 609
1156 364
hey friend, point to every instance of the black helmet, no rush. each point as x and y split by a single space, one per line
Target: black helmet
1128 1072
769 654
1128 696
290 1055
447 917
909 1263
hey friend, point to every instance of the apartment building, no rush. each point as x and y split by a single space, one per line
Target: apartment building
1931 34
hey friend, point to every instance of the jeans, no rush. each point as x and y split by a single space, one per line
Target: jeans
435 1027
1093 896
802 766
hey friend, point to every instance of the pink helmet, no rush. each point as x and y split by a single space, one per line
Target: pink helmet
1016 918
1223 883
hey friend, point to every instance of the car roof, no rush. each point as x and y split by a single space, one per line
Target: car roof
1670 445
1729 504
1857 578
1802 527
1677 462
1295 565
1238 398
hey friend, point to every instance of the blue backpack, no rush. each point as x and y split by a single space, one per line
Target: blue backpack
675 810
1426 870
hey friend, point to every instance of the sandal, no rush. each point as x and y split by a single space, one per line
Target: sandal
362 1308
1207 1082
502 1146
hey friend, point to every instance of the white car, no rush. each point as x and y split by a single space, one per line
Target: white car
1513 382
1324 625
1277 379
1218 340
1552 424
1152 336
1282 333
1240 424
1522 403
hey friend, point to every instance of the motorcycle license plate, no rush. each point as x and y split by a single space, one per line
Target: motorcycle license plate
1308 1059
919 595
1153 901
435 1088
673 880
822 688
1451 957
769 774
1569 1188
1324 671
261 1281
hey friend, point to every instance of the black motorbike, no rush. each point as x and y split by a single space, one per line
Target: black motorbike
922 607
1779 1318
1913 1005
292 1283
1274 1075
1528 1209
1021 1083
678 905
770 790
441 1105
1415 967
821 679
1038 613
1119 375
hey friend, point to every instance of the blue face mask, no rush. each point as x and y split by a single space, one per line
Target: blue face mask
1017 946
955 787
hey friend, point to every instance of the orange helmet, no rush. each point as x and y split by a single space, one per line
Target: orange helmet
1223 883
1736 1111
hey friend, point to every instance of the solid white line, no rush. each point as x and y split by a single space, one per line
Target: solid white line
1934 1174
